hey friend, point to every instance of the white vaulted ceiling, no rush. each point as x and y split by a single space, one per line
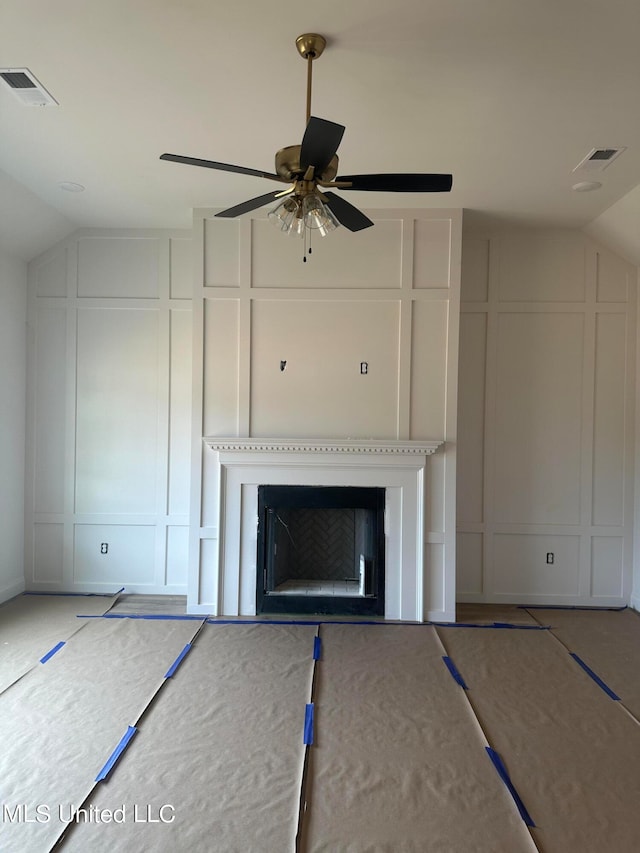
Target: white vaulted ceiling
508 95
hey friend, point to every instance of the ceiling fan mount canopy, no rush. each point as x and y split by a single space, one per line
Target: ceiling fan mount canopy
311 168
311 45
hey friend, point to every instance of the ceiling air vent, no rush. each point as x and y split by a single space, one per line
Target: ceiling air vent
26 87
598 159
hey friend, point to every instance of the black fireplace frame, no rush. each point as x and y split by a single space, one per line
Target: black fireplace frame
311 497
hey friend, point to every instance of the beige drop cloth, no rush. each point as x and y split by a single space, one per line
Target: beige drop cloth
60 723
572 753
222 747
608 641
399 764
31 625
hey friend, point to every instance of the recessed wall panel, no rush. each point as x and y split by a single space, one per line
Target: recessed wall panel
475 269
613 277
521 567
324 369
114 553
221 358
609 419
177 556
51 275
208 580
48 541
222 252
210 488
428 369
541 268
538 418
436 477
50 408
434 584
469 560
607 569
180 382
471 405
117 411
371 258
181 268
118 266
432 253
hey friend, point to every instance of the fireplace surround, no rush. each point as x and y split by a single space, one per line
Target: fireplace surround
240 465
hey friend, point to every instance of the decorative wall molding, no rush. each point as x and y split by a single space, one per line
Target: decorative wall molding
350 370
286 445
555 306
80 494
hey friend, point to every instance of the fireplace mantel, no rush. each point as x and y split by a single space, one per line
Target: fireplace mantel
239 465
303 445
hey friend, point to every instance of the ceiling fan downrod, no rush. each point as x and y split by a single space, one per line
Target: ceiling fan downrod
310 47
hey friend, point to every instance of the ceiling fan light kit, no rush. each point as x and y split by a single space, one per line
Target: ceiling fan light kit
311 169
294 215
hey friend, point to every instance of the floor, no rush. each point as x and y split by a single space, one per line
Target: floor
128 725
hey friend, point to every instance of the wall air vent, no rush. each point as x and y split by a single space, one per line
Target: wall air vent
26 87
598 159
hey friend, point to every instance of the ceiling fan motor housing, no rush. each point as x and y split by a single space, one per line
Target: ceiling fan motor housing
288 165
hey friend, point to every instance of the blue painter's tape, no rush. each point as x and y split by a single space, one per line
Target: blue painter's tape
597 680
454 672
308 724
178 660
502 772
317 648
52 652
115 755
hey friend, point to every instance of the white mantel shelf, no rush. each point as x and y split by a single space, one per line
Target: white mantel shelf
294 445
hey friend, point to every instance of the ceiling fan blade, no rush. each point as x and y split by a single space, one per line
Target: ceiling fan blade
346 213
399 183
252 204
223 167
320 143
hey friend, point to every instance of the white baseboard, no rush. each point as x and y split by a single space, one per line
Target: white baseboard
439 616
11 590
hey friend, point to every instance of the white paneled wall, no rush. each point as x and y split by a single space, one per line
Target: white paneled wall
109 413
546 420
13 383
279 346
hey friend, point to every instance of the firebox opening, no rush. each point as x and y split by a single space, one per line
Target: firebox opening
320 550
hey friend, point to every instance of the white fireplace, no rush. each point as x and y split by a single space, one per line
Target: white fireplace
244 464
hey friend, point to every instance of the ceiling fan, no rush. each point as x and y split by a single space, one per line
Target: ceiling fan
311 169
